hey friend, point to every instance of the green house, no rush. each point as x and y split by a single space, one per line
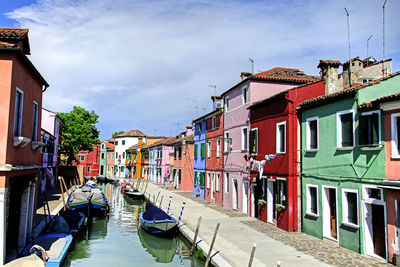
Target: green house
343 165
103 159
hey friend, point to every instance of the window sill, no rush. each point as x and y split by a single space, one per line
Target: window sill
312 215
371 148
345 148
20 141
244 151
311 150
352 225
395 157
281 153
37 145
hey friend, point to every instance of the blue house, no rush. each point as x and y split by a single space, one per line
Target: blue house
199 157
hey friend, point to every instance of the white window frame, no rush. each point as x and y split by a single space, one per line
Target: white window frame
208 182
218 182
218 148
245 142
346 210
245 98
226 103
339 128
35 118
226 144
226 182
308 209
308 133
379 123
278 138
208 149
255 130
394 138
82 158
19 123
213 122
369 200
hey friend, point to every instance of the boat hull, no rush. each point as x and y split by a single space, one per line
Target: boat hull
134 195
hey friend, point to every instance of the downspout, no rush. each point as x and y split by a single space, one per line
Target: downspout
300 152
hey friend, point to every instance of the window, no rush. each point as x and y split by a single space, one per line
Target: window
35 121
395 123
350 206
281 138
227 103
82 158
88 170
209 150
175 152
345 129
102 155
116 143
116 155
102 170
123 142
112 155
280 196
195 178
203 150
312 133
253 141
196 150
180 152
226 182
244 139
312 200
123 169
218 148
19 100
199 127
218 182
208 180
123 155
202 178
102 146
160 154
369 128
244 95
213 122
226 142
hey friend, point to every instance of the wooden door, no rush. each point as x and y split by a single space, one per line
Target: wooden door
333 217
378 230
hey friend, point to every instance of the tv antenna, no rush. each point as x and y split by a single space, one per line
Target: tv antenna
348 37
215 89
252 65
383 37
367 47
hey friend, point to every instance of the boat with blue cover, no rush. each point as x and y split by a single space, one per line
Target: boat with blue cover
157 222
55 246
88 199
69 221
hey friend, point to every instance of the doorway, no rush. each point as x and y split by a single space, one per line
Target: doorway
235 195
253 201
213 186
375 230
245 199
270 201
330 221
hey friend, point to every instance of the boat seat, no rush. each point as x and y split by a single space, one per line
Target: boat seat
53 246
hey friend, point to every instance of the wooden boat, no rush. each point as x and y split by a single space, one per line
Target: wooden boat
125 187
88 199
155 221
134 194
55 245
31 261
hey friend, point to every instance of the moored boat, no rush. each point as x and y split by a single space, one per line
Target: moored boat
88 199
157 222
69 221
134 194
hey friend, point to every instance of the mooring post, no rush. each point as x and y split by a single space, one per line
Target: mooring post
62 191
155 202
169 204
146 186
162 197
252 254
195 235
212 245
180 215
65 185
142 185
278 264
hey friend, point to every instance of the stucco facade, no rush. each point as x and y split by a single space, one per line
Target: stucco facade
182 172
199 155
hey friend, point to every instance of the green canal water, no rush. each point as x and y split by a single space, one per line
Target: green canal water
119 241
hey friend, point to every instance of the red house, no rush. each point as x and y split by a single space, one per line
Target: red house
274 139
182 172
90 160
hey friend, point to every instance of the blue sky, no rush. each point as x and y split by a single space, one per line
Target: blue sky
146 64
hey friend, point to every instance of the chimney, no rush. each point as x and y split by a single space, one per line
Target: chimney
217 101
329 72
245 75
189 130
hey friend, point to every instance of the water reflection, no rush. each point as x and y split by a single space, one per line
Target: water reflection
162 249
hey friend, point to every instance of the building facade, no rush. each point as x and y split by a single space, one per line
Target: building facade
182 172
199 157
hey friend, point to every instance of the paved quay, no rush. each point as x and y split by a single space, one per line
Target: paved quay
238 233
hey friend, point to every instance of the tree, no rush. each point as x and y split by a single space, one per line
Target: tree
79 132
117 133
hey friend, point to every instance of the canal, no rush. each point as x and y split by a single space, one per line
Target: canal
119 241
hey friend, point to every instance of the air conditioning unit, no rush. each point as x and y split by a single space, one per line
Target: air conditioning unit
218 105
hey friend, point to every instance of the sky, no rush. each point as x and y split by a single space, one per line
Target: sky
148 65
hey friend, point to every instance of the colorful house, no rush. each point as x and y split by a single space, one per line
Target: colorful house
90 160
21 88
199 157
182 172
274 134
103 158
110 158
160 160
343 164
252 88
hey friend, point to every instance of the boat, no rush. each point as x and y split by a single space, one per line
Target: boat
134 194
157 222
69 221
55 245
88 199
162 249
125 187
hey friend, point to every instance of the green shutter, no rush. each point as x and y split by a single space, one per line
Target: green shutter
195 150
203 150
202 179
195 177
180 175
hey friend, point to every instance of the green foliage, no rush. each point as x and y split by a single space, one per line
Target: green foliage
79 131
199 255
117 133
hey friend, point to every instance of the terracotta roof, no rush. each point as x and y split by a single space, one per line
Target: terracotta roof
13 33
134 147
166 142
211 113
344 92
109 146
7 45
155 137
131 133
377 101
353 59
188 139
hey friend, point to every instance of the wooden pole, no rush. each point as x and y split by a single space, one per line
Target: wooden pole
252 254
195 235
62 191
146 186
66 189
157 198
212 245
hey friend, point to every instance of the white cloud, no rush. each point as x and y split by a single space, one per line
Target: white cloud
147 64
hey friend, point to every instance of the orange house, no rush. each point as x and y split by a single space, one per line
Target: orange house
21 88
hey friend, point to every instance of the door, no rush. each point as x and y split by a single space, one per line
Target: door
332 214
270 201
253 201
235 195
378 230
213 186
245 198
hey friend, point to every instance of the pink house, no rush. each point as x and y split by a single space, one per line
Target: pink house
236 182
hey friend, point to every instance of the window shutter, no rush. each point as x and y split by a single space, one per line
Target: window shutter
196 150
195 178
202 179
203 150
